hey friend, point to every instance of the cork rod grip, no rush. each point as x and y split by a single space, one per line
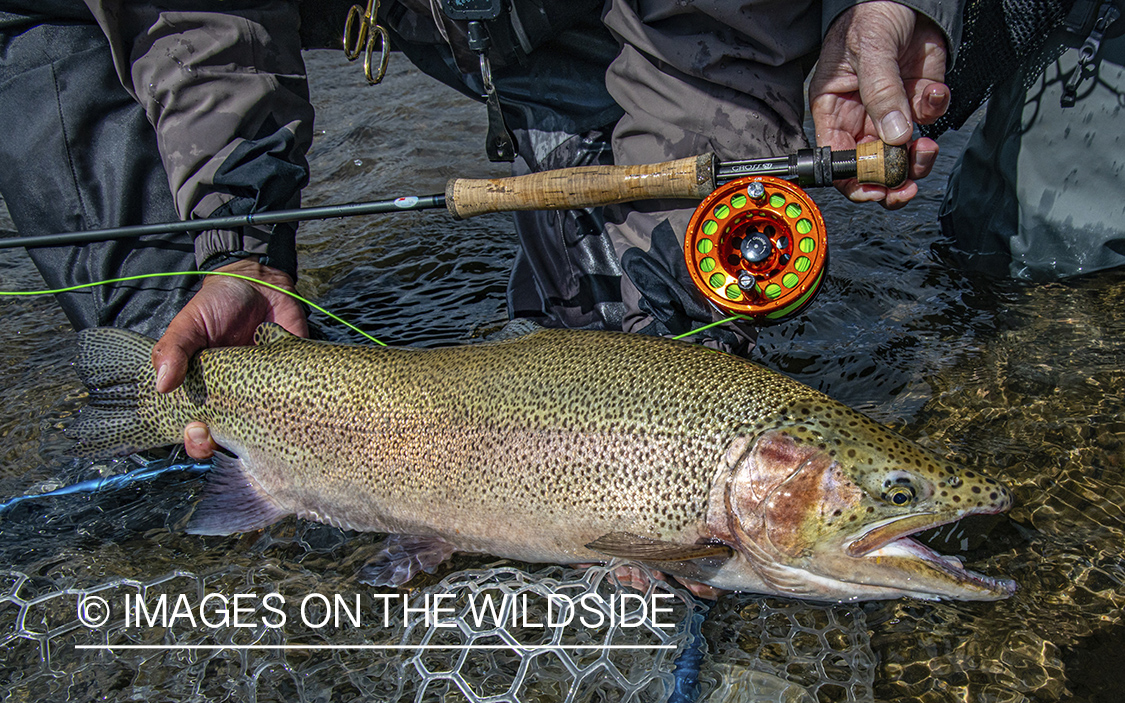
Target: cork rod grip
878 162
582 186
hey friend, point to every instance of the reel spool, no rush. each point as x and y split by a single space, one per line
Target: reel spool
756 246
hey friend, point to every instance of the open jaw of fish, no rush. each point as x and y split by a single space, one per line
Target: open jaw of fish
837 523
905 567
557 446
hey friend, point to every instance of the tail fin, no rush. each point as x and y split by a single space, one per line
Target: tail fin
116 366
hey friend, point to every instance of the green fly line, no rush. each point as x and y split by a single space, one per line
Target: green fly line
163 274
697 330
337 318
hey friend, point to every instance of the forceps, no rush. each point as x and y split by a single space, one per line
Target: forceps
365 36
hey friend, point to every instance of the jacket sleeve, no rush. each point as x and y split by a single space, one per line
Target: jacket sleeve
227 94
946 14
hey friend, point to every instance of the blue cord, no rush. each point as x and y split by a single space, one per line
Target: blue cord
149 471
690 660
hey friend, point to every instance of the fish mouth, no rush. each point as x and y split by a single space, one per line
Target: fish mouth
919 568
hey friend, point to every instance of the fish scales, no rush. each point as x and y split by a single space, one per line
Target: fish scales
531 448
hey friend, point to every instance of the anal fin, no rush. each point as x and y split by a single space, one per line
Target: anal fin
233 501
402 557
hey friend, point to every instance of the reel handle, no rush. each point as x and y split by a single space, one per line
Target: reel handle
582 186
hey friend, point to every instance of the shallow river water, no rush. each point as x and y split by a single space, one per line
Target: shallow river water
1023 381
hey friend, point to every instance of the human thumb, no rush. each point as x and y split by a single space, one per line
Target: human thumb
884 96
175 347
881 33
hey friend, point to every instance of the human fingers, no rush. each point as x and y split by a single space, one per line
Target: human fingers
260 303
701 590
639 579
902 58
225 312
186 334
928 99
923 153
198 442
898 197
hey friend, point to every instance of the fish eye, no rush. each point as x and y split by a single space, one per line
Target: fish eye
899 494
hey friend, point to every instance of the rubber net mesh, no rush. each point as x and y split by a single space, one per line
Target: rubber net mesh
757 648
776 650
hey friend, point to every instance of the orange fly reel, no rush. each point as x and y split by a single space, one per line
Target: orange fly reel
756 246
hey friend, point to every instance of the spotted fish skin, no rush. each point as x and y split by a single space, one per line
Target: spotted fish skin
552 446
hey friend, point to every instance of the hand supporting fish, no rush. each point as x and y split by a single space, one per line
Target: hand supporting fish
554 446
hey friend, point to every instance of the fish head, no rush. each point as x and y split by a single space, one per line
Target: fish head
824 505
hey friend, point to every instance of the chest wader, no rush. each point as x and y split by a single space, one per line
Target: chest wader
1036 194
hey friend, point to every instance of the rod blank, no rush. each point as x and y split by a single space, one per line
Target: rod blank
326 212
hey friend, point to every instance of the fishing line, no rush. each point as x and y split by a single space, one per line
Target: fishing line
697 330
342 321
163 274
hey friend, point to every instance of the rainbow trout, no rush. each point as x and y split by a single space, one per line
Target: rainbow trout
558 446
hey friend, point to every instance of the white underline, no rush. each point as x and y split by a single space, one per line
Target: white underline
372 646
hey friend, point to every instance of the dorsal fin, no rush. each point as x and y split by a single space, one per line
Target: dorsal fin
514 329
271 333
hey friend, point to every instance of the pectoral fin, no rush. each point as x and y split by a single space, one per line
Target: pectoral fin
402 557
629 546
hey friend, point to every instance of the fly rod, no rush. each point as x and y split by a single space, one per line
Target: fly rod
582 186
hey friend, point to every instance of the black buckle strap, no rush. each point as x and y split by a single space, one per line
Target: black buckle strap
500 143
1107 15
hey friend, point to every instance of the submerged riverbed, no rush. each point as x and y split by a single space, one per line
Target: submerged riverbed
1023 381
